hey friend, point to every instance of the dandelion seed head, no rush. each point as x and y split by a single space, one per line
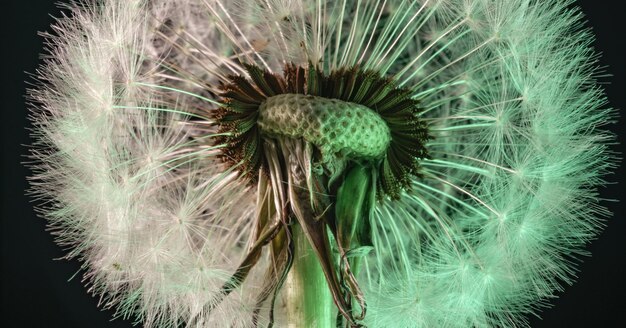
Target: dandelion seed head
163 170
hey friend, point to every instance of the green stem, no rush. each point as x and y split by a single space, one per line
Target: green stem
309 302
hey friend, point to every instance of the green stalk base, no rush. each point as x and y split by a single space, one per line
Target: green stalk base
308 299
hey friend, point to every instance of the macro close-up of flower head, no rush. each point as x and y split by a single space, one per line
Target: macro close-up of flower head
321 163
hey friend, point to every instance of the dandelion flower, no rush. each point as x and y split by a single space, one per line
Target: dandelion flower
362 163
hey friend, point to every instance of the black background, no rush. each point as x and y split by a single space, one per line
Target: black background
35 288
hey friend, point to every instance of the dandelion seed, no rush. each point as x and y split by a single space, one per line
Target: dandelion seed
382 163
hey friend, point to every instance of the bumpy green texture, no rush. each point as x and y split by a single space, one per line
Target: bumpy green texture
332 125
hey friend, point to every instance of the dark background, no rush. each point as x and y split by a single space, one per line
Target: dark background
35 288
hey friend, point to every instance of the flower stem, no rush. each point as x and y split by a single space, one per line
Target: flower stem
308 298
